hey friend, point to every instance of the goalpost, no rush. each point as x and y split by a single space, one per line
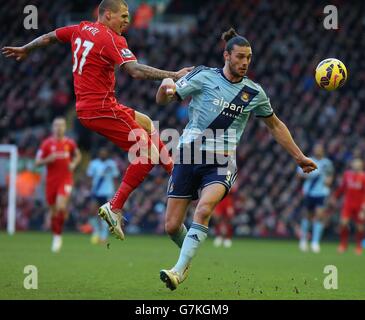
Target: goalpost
13 158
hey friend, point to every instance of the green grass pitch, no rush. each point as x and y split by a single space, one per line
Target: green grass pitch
250 269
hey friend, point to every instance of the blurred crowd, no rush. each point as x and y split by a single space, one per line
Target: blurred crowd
288 40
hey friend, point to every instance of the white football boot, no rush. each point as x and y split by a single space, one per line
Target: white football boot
56 243
303 245
227 243
315 247
114 220
218 241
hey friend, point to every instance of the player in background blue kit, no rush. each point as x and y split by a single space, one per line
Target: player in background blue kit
103 171
222 101
316 189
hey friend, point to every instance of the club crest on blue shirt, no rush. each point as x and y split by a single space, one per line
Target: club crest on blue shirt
245 97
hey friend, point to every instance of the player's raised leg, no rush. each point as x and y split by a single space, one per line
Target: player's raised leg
127 134
164 158
198 232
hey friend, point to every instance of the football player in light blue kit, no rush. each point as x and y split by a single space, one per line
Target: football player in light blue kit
102 170
316 189
222 101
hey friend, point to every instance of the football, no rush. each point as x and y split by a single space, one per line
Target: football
331 74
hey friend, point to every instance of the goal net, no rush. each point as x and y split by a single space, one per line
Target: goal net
8 174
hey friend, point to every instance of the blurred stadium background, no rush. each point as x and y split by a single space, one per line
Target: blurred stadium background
288 41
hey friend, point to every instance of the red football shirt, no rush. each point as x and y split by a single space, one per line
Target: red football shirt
96 49
353 187
58 171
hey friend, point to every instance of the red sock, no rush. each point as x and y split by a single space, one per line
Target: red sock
133 177
217 229
359 236
344 236
165 159
229 230
54 224
57 222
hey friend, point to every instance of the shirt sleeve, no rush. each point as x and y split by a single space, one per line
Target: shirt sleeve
117 50
190 84
263 108
64 34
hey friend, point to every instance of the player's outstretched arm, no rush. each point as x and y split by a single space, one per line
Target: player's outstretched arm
282 135
143 72
21 53
166 92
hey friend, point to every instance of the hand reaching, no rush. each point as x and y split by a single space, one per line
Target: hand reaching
18 53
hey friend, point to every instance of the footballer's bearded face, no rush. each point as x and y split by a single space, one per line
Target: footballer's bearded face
118 21
238 60
59 128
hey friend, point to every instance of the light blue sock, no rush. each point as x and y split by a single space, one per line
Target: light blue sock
194 238
95 224
104 230
179 236
317 232
304 226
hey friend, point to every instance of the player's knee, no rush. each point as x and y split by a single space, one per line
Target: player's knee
204 211
61 206
171 227
147 124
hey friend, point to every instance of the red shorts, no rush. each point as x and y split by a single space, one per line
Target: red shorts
352 212
117 124
57 189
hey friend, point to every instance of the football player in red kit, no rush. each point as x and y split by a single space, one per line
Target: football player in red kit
353 189
97 47
223 215
60 155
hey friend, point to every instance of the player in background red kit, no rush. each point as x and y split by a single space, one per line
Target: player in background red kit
223 215
96 48
353 189
60 155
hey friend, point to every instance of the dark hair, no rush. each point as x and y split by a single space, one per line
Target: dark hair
112 5
231 37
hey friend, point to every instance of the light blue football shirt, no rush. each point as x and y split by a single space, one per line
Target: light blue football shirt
219 109
102 174
315 182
